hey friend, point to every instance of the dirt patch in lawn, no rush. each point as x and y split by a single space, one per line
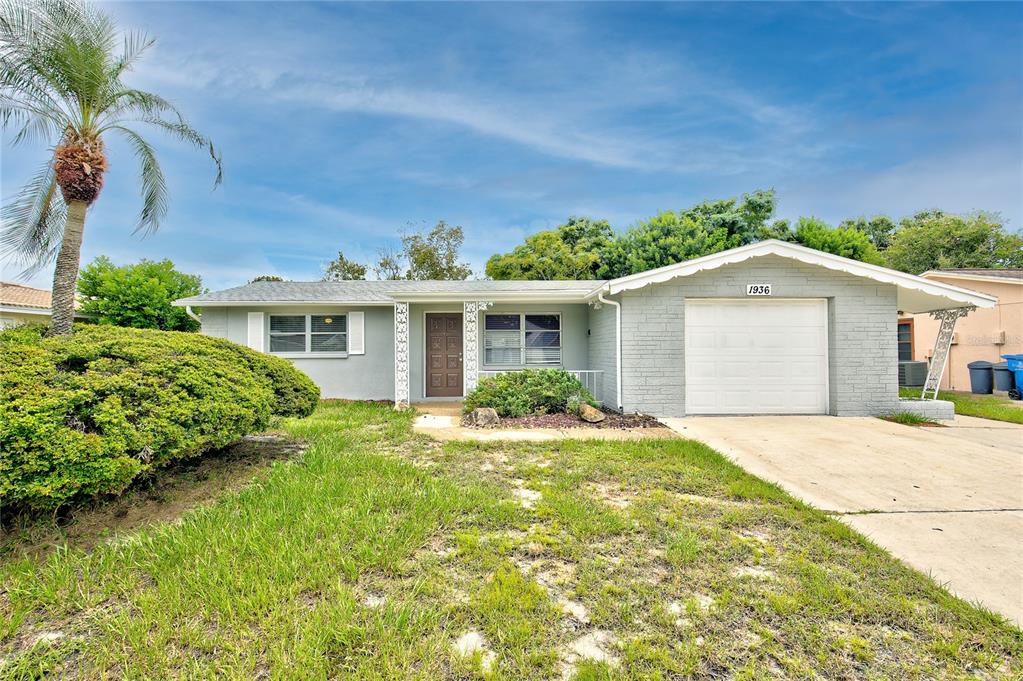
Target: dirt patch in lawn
612 419
162 497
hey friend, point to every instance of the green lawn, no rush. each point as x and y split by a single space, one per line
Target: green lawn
377 552
981 406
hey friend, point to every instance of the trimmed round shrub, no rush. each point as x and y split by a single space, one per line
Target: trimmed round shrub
86 414
530 391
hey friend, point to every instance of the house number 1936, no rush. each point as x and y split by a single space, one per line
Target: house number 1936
758 289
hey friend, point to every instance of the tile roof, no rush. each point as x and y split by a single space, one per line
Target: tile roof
379 291
16 295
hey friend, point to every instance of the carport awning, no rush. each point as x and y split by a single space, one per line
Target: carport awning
915 294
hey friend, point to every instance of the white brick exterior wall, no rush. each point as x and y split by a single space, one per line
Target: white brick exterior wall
862 317
602 352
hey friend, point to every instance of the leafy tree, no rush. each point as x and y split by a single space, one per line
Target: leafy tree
343 269
935 239
61 83
879 229
138 295
430 255
570 251
847 242
389 265
266 277
665 239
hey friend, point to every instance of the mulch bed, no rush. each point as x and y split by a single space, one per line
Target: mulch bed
614 420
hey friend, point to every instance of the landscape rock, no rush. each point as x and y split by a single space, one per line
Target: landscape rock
483 417
591 414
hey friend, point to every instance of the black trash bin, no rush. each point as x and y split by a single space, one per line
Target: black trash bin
1004 380
981 378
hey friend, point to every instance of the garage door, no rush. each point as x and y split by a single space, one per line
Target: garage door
756 356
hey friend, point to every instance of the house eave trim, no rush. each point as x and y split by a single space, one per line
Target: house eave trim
959 296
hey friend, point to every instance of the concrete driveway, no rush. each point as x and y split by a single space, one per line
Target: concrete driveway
948 501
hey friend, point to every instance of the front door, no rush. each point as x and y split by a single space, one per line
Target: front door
443 355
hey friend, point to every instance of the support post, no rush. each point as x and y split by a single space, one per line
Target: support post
470 343
401 356
942 346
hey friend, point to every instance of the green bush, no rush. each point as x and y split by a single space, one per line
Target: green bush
86 414
530 391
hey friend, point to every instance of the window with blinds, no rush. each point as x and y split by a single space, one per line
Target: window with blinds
522 340
309 333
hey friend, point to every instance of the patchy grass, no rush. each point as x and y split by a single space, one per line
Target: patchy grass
908 418
381 554
992 407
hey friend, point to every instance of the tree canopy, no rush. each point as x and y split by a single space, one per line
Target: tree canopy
343 269
934 240
569 251
138 295
585 248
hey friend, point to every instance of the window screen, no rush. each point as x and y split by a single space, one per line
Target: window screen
287 333
522 339
309 333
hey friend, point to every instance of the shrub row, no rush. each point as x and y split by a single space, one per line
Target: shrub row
530 391
86 414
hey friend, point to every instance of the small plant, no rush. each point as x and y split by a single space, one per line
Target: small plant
909 418
530 391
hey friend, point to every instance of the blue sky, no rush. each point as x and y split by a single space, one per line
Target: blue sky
343 124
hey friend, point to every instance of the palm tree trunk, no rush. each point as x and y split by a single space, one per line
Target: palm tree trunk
65 276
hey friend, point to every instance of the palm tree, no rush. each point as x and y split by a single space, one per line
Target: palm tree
61 82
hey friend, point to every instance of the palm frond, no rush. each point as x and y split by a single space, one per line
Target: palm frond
33 222
135 43
183 131
154 187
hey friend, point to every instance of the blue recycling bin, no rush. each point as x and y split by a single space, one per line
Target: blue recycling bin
1015 363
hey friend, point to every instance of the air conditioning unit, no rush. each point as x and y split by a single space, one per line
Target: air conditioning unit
912 374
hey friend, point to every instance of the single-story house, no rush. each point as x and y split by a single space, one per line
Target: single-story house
769 328
23 305
983 335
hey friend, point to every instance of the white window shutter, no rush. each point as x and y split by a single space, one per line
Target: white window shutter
255 339
356 333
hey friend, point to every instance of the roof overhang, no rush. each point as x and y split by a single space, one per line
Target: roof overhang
25 310
965 276
185 302
502 297
915 294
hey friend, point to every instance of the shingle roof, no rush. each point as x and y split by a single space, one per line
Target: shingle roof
16 295
1011 273
379 291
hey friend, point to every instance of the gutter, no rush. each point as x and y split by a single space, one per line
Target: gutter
188 311
618 345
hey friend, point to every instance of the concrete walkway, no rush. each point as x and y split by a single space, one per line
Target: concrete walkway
948 501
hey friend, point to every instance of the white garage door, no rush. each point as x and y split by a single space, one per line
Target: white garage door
756 356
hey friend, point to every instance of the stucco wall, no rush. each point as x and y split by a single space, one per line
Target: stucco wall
12 318
360 377
863 365
977 334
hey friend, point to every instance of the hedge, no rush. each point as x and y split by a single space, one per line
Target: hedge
84 415
530 391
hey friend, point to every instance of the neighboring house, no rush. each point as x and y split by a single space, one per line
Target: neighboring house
984 334
22 305
769 328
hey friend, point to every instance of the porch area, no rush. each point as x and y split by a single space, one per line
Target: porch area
442 350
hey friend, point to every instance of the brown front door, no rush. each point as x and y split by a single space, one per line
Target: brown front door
443 355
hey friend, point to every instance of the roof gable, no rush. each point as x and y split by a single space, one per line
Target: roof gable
916 294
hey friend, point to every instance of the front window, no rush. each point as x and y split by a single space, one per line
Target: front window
307 333
905 340
522 340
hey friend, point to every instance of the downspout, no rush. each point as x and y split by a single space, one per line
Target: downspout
618 346
188 311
